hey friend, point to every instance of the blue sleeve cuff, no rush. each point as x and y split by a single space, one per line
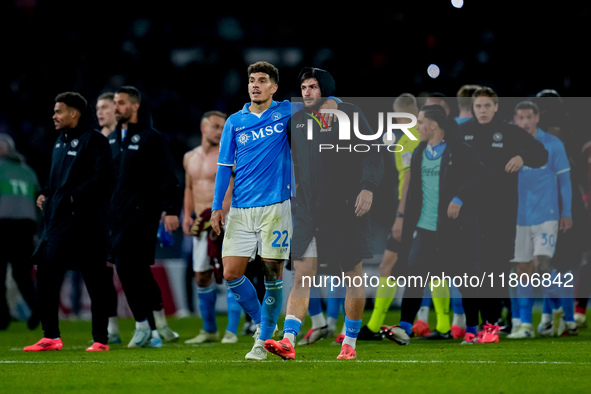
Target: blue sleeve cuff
222 181
457 201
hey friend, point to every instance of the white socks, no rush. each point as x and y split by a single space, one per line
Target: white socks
318 320
459 320
160 318
350 341
423 314
142 325
113 326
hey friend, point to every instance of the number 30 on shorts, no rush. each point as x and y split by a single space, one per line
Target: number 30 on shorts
548 239
278 235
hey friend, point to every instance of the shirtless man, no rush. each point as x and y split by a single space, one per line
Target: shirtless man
200 170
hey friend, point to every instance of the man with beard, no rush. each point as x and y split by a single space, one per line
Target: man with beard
200 170
75 204
334 193
146 188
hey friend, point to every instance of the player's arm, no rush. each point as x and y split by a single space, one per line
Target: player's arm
531 152
397 227
188 203
171 186
566 195
331 102
40 201
372 170
228 198
222 181
563 177
223 176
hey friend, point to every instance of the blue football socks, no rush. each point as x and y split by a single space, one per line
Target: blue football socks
246 295
272 304
207 298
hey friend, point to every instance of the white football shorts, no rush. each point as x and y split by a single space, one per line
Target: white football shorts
537 240
265 231
201 259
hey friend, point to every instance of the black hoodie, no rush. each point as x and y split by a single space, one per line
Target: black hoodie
324 78
328 183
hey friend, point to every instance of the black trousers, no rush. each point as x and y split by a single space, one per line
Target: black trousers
141 289
111 292
49 283
423 258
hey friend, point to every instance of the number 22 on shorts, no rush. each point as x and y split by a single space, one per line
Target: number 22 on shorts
278 235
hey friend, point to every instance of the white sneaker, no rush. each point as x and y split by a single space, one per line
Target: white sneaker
524 331
154 342
258 332
397 334
140 338
314 335
515 324
570 329
167 334
581 320
258 353
113 338
558 323
229 337
546 329
249 328
204 337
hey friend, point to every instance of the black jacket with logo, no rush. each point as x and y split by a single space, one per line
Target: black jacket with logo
80 185
328 183
461 175
146 186
496 143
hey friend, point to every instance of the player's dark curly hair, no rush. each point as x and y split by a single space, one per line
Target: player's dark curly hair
264 67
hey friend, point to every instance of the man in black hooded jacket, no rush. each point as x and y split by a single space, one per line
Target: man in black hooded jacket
334 193
503 148
75 235
146 187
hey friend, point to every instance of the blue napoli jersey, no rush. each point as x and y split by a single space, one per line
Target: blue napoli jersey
259 148
538 187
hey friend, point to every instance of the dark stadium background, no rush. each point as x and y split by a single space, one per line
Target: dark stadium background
190 57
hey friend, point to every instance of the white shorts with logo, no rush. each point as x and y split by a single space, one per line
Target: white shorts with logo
537 240
201 260
265 231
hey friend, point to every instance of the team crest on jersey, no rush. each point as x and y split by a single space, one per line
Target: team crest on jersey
135 139
497 137
74 143
276 116
243 138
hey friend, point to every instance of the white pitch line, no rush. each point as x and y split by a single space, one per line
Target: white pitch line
292 361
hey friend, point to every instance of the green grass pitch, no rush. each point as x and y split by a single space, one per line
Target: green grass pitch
536 365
